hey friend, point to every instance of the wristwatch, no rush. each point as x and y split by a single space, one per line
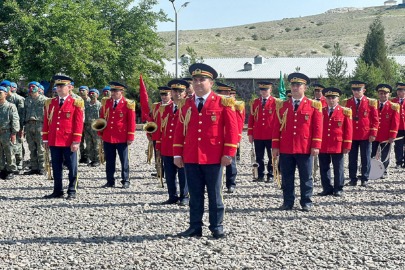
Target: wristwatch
228 157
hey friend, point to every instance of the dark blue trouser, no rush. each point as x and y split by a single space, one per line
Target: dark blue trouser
199 176
110 152
59 155
260 147
231 173
338 172
288 163
170 171
365 154
385 149
399 148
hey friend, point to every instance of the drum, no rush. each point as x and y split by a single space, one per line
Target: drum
377 169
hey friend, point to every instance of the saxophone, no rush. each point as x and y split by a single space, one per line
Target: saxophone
255 165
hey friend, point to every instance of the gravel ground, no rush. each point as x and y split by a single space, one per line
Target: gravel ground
129 229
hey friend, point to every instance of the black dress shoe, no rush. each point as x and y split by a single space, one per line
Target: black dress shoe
191 232
9 176
338 193
306 208
95 164
325 193
108 185
231 189
269 178
260 179
218 234
285 207
3 174
352 183
170 201
364 184
71 196
184 202
54 195
125 185
154 174
31 172
84 160
41 172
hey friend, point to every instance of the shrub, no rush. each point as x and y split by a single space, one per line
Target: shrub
255 37
252 27
326 46
172 44
297 28
287 29
263 49
218 35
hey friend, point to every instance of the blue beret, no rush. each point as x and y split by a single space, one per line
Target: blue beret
107 88
54 89
4 89
5 83
34 83
41 86
94 90
84 87
13 84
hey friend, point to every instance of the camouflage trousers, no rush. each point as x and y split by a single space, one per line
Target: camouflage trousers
19 152
92 143
83 148
34 140
7 158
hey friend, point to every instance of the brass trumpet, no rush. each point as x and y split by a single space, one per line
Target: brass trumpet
150 127
255 165
98 124
48 165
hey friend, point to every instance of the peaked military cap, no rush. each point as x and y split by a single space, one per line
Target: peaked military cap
233 90
62 80
400 86
297 77
178 84
318 86
164 89
203 70
223 87
264 85
331 92
384 87
357 84
117 86
188 79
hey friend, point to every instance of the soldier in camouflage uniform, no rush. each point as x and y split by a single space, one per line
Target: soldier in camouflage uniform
83 93
107 91
33 121
92 112
9 126
18 101
54 93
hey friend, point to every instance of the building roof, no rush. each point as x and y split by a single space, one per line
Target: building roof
233 68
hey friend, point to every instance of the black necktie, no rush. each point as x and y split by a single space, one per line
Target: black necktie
318 99
357 103
115 104
381 106
175 109
296 104
401 101
200 104
61 102
330 112
264 102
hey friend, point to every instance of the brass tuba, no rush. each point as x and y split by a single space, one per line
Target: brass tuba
99 124
255 165
150 127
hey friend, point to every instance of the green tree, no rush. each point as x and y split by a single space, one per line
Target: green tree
336 69
193 58
375 49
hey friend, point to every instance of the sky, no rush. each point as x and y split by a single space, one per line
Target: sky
204 14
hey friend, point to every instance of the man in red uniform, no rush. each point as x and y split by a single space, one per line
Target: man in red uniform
365 126
241 116
388 113
336 141
189 90
164 146
200 145
62 132
399 143
297 136
260 126
318 88
119 132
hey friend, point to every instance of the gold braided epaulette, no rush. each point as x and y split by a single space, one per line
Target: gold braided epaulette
48 102
372 102
395 107
316 104
228 102
344 102
79 103
347 112
104 100
181 103
154 105
162 108
240 105
131 104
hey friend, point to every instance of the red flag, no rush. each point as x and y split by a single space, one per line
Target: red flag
143 95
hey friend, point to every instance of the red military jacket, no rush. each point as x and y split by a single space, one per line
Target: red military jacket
323 101
365 118
63 125
165 132
260 123
157 111
120 121
389 121
200 137
298 132
337 130
240 116
401 113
